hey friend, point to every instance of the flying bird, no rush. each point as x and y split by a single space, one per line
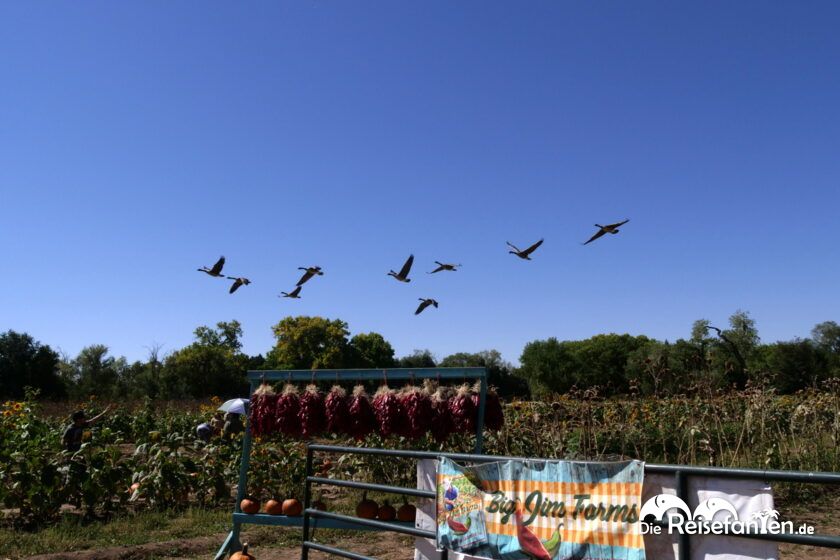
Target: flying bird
310 272
612 228
402 276
294 294
526 254
216 270
444 266
426 303
237 282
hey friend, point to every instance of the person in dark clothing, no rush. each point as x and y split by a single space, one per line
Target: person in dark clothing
233 426
73 435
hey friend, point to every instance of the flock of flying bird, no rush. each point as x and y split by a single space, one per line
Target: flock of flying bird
402 275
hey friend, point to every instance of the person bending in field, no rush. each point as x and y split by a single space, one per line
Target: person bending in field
74 434
206 430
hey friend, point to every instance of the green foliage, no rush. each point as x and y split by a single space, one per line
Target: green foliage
212 365
418 359
500 374
371 350
309 342
24 362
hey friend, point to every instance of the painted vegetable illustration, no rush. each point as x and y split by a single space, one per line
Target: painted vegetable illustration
459 528
528 541
552 545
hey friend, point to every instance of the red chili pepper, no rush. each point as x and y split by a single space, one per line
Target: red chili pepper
528 541
458 527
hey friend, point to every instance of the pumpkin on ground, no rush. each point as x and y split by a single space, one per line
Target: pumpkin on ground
367 509
386 512
407 512
242 554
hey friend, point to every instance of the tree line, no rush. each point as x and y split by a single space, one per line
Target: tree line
214 364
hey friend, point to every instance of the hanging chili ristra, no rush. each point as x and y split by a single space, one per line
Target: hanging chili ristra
494 416
312 412
388 410
462 409
441 422
417 407
362 419
337 410
288 411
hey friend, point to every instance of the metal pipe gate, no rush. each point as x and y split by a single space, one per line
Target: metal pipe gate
681 473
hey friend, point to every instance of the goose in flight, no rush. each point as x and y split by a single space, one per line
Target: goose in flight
310 272
237 282
611 228
402 275
426 302
444 266
216 270
526 254
294 294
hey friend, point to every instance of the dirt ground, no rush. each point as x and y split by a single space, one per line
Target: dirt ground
383 546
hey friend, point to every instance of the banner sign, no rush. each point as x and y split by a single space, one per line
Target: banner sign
543 510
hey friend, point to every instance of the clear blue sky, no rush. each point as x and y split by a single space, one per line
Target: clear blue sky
139 141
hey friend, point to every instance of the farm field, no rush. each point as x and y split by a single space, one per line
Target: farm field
84 502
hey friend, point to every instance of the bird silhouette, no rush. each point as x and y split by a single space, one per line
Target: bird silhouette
402 276
294 294
526 254
237 282
216 270
310 272
611 228
426 303
444 266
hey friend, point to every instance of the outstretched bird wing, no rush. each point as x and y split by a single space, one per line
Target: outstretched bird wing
438 269
306 276
236 283
295 292
407 267
512 246
217 268
532 248
613 226
599 233
423 305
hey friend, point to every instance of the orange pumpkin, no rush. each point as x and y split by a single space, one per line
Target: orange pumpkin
292 507
242 554
367 509
407 512
273 507
249 506
386 512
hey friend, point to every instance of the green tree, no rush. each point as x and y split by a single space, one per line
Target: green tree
371 350
796 364
94 372
418 359
604 359
827 335
500 373
549 366
212 365
24 362
226 333
309 342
